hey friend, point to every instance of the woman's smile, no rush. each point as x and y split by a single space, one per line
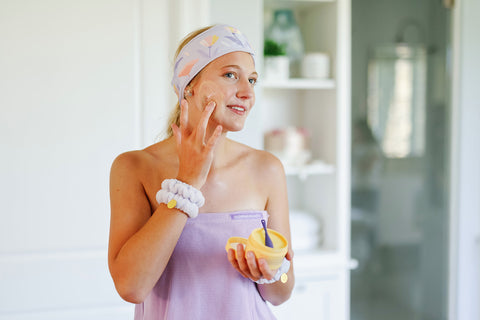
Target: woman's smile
240 110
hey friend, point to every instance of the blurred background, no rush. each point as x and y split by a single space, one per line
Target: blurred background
401 124
382 142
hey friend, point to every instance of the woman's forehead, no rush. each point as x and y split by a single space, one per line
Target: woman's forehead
242 60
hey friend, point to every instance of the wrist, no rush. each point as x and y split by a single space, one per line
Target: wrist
281 274
180 195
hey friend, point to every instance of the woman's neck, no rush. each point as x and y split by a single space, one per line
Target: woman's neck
221 151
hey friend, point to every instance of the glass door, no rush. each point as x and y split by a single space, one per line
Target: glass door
400 168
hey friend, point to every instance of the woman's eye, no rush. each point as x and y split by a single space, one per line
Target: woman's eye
230 75
253 81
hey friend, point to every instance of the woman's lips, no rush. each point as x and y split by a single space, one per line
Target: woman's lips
240 110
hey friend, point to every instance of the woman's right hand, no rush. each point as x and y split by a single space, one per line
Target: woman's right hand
195 150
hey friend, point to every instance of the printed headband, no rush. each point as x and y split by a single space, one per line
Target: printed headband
203 49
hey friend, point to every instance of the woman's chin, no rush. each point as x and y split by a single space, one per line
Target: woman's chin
231 126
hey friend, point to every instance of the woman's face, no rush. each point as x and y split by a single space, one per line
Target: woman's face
229 81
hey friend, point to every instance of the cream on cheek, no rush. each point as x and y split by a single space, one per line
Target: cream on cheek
208 91
204 92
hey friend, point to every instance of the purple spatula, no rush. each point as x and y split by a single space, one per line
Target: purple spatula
268 241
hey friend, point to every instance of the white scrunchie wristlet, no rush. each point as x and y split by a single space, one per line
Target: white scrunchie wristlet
182 196
280 272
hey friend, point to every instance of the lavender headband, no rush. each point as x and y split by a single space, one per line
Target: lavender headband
203 49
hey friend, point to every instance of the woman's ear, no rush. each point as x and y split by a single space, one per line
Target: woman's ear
188 92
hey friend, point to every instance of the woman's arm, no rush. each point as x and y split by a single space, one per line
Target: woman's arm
141 243
277 207
271 176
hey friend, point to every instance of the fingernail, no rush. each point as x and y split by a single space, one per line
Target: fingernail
211 104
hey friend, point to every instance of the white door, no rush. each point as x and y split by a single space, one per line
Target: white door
72 98
465 159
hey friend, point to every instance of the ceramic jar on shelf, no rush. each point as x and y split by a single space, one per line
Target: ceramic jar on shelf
285 31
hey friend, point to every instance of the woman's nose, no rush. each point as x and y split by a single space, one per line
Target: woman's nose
245 89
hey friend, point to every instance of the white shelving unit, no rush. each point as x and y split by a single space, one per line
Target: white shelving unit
300 84
321 188
311 169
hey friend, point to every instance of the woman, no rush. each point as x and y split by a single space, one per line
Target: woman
163 255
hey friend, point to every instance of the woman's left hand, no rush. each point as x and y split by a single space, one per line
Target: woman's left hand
248 265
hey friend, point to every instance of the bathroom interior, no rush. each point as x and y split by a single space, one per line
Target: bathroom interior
400 159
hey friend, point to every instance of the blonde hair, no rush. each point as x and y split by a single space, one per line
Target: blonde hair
175 114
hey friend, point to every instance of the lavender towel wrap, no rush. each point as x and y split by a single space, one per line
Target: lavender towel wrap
199 282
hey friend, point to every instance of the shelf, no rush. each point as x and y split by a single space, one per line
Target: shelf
295 1
314 168
291 3
313 263
299 83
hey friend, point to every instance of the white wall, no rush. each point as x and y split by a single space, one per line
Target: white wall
81 82
465 229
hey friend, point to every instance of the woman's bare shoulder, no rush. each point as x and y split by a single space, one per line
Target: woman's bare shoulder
262 162
131 161
139 160
270 166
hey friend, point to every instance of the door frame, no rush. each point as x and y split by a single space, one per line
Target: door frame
464 249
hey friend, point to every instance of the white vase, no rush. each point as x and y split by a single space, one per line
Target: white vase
316 65
276 68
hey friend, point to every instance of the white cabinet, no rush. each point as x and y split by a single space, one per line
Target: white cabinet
319 191
313 299
320 289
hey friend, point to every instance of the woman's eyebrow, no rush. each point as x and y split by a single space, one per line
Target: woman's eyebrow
254 73
232 66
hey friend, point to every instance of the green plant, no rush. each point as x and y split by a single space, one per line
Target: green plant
271 48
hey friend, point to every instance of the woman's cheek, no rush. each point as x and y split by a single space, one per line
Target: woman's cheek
210 91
